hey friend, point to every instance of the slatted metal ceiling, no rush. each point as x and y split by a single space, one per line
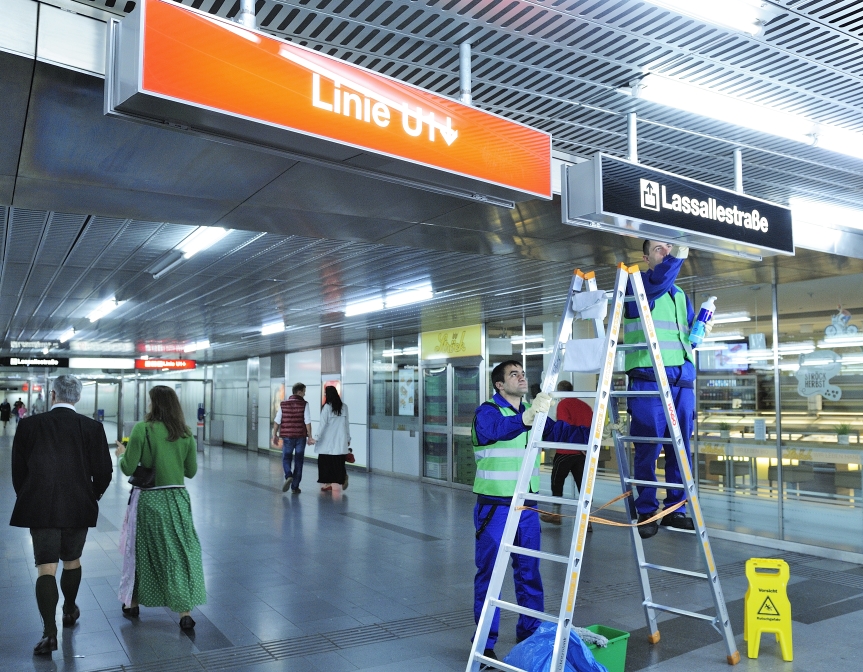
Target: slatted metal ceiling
557 65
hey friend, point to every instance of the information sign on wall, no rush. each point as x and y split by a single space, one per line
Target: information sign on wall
451 343
161 364
34 361
628 198
173 64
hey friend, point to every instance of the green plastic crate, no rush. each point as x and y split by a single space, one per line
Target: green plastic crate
612 656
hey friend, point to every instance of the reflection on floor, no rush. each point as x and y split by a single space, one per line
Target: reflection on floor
380 578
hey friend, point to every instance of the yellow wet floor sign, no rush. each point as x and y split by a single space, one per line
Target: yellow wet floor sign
767 608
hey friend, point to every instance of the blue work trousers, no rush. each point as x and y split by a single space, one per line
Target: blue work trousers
293 450
525 570
648 419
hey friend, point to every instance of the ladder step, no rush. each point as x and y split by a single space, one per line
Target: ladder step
578 394
679 612
551 499
623 347
655 484
636 393
509 606
562 445
521 550
498 664
675 570
644 439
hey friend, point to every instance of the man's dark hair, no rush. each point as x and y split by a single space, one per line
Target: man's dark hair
297 388
645 247
564 386
498 373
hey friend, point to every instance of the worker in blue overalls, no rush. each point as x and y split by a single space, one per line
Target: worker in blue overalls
500 434
672 318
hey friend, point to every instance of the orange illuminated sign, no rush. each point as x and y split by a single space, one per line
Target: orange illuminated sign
194 58
160 364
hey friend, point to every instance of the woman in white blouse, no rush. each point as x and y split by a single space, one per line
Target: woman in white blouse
333 440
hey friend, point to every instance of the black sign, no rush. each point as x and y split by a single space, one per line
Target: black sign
652 203
62 362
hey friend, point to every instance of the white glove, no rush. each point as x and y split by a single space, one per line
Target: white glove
680 251
541 404
612 427
708 327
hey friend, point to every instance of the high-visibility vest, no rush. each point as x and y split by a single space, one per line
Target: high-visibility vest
498 463
672 331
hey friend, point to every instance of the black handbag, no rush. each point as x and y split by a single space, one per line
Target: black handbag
144 477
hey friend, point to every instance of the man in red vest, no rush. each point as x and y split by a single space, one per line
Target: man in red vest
574 412
293 424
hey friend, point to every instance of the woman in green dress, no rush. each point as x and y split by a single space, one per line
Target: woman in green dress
168 571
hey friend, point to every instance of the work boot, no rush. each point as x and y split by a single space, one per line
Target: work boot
647 531
488 653
679 521
554 517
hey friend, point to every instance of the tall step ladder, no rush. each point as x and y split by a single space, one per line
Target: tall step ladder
605 400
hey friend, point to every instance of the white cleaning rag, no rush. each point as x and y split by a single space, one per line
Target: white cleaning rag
584 355
590 305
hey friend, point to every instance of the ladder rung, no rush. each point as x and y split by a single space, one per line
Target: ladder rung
499 664
679 612
655 484
562 445
644 439
551 499
674 570
578 394
623 347
509 606
636 393
521 550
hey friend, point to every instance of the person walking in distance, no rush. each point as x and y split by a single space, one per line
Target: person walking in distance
334 439
5 412
61 466
293 424
574 412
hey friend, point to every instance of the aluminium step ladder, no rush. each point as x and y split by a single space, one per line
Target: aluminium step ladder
605 400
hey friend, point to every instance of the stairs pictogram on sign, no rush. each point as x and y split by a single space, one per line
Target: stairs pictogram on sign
768 608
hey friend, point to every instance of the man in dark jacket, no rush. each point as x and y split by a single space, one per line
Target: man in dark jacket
61 466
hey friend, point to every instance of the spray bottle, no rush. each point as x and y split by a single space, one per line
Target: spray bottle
704 316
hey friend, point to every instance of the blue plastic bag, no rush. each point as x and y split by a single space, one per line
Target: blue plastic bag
534 653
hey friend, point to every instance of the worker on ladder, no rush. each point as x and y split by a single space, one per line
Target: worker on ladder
500 436
672 318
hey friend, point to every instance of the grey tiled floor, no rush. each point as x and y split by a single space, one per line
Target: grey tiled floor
333 581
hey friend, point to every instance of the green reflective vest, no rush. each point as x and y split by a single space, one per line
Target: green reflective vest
498 463
672 331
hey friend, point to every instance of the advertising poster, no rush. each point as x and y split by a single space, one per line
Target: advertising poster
406 391
330 380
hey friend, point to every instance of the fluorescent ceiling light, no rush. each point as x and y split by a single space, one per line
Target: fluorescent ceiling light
818 214
273 328
856 358
707 103
733 336
400 352
66 335
366 306
107 306
409 296
844 341
744 16
803 348
197 345
729 318
200 239
538 351
521 340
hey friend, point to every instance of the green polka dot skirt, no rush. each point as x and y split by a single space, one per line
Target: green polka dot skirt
168 572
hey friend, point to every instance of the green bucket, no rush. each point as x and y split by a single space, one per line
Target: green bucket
612 656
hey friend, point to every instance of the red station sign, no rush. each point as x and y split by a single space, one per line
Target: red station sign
160 364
